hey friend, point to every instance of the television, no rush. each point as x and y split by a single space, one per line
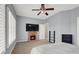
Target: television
67 38
32 27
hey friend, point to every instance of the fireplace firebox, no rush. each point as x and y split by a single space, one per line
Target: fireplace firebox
32 37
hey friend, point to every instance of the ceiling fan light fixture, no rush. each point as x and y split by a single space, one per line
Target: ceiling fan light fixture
42 12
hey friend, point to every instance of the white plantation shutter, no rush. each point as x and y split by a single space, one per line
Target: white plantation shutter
2 28
12 28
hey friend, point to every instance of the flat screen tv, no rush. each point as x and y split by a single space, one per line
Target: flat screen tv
32 27
67 38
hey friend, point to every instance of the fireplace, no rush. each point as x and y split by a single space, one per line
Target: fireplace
32 35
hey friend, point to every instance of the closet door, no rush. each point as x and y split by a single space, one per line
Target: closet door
41 31
2 28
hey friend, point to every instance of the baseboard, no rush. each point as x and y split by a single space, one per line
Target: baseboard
21 40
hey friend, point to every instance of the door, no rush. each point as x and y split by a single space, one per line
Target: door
41 31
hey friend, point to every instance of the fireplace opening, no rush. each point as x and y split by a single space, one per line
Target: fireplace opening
33 37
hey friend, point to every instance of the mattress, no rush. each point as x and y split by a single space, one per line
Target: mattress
61 48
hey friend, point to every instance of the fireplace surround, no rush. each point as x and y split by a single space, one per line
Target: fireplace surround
32 35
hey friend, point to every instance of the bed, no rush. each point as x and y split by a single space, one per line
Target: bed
61 48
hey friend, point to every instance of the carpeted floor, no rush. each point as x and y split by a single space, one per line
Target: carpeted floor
26 47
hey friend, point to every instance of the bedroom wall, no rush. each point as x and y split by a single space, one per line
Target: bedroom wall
64 23
61 23
21 34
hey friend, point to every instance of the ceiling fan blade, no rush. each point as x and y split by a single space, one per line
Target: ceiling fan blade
46 13
42 5
39 13
35 9
49 8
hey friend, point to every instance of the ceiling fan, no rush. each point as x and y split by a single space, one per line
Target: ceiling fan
43 9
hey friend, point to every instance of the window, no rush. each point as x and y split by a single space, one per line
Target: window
12 28
2 28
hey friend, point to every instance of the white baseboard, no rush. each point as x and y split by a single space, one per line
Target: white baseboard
21 40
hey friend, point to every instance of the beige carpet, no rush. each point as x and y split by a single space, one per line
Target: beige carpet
26 47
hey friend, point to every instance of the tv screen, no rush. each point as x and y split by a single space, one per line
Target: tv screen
67 38
32 27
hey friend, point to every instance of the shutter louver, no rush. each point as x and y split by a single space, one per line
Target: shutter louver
2 28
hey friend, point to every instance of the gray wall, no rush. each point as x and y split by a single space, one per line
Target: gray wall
64 23
10 6
21 34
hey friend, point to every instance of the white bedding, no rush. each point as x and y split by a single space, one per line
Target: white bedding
62 48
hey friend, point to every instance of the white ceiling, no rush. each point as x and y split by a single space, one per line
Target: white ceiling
26 9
